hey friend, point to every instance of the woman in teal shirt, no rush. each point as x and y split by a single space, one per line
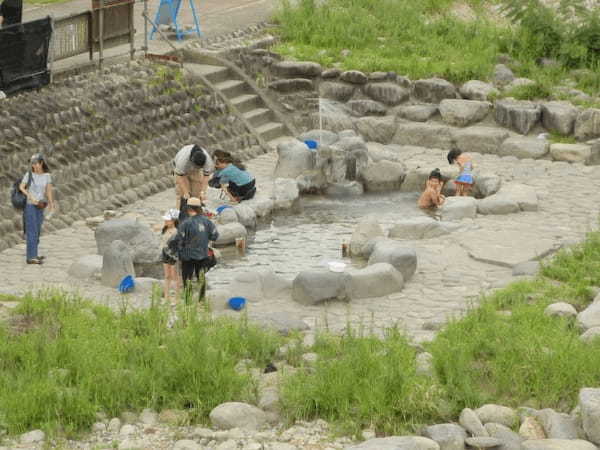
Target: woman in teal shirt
233 178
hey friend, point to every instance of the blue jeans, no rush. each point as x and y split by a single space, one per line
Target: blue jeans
34 217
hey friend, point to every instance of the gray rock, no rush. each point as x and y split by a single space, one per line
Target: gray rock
114 425
383 176
589 403
323 137
334 90
86 267
590 335
502 75
477 90
348 189
497 414
148 417
559 117
376 129
354 77
449 436
572 153
363 233
526 268
519 82
518 115
497 204
281 322
417 113
143 242
424 135
228 215
434 90
480 139
291 85
587 124
397 443
186 444
558 444
331 73
421 228
258 285
229 232
560 309
116 264
458 208
237 415
524 195
486 184
388 93
590 316
594 159
313 287
291 69
127 430
483 442
558 425
462 113
366 107
245 215
510 439
524 147
470 422
375 280
400 257
32 437
416 178
285 193
268 400
293 158
262 206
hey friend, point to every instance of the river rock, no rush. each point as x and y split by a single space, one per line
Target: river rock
560 309
424 135
396 443
383 176
363 233
518 115
313 287
375 280
573 153
245 215
227 215
388 93
558 425
497 414
510 439
228 233
354 77
558 444
590 335
462 113
290 69
531 429
402 258
341 92
589 403
479 139
32 437
366 107
590 316
291 85
477 90
421 228
417 113
526 268
469 420
237 415
348 189
449 436
486 184
434 90
376 129
559 117
524 147
497 204
285 193
458 208
257 285
502 75
293 159
483 442
116 264
142 241
86 267
587 124
186 444
323 137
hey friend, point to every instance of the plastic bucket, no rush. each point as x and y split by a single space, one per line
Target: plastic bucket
127 284
237 303
311 144
222 208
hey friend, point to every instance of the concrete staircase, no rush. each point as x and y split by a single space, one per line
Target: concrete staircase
259 113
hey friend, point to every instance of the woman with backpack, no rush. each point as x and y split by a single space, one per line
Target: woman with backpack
36 185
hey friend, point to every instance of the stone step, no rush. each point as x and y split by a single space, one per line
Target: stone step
215 74
258 116
271 130
247 102
232 88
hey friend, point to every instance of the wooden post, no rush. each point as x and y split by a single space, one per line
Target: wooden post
131 30
101 34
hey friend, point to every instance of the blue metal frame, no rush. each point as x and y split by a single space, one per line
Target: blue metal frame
174 6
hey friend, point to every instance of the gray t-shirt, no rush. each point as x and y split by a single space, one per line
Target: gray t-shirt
183 165
37 188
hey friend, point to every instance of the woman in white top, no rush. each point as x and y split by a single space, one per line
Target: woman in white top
39 195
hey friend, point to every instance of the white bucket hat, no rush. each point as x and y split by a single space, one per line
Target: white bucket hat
171 214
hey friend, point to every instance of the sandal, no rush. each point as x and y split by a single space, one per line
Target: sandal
35 261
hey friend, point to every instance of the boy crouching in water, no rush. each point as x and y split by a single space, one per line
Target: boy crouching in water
432 195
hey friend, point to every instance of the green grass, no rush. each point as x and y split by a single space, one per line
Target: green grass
63 359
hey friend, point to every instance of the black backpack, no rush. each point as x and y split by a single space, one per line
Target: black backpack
17 198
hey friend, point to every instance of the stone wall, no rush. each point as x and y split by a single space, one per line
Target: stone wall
109 138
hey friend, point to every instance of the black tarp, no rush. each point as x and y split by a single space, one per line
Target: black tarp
24 55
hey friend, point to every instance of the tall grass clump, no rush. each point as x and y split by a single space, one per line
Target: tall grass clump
63 359
363 381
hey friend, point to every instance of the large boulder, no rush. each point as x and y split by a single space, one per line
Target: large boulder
462 113
502 75
416 178
363 233
397 443
524 147
313 287
486 184
421 228
458 208
497 414
258 285
449 436
293 69
417 113
141 240
285 193
347 189
424 135
237 415
477 90
587 124
518 115
291 85
480 139
589 403
573 153
376 280
510 439
293 159
590 316
497 204
558 444
376 129
342 92
366 108
525 196
117 263
558 425
245 215
323 137
383 176
470 421
434 90
229 232
86 267
389 93
559 117
402 258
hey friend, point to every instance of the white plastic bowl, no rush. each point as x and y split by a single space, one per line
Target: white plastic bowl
335 266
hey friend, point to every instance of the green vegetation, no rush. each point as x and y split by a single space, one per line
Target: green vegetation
558 138
429 38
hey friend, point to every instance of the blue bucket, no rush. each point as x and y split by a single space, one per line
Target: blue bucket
237 303
221 208
311 144
127 284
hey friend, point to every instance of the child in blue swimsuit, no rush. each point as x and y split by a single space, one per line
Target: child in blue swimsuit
464 182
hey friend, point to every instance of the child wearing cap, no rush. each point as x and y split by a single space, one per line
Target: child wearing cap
168 257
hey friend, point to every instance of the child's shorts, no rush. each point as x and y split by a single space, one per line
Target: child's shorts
165 258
